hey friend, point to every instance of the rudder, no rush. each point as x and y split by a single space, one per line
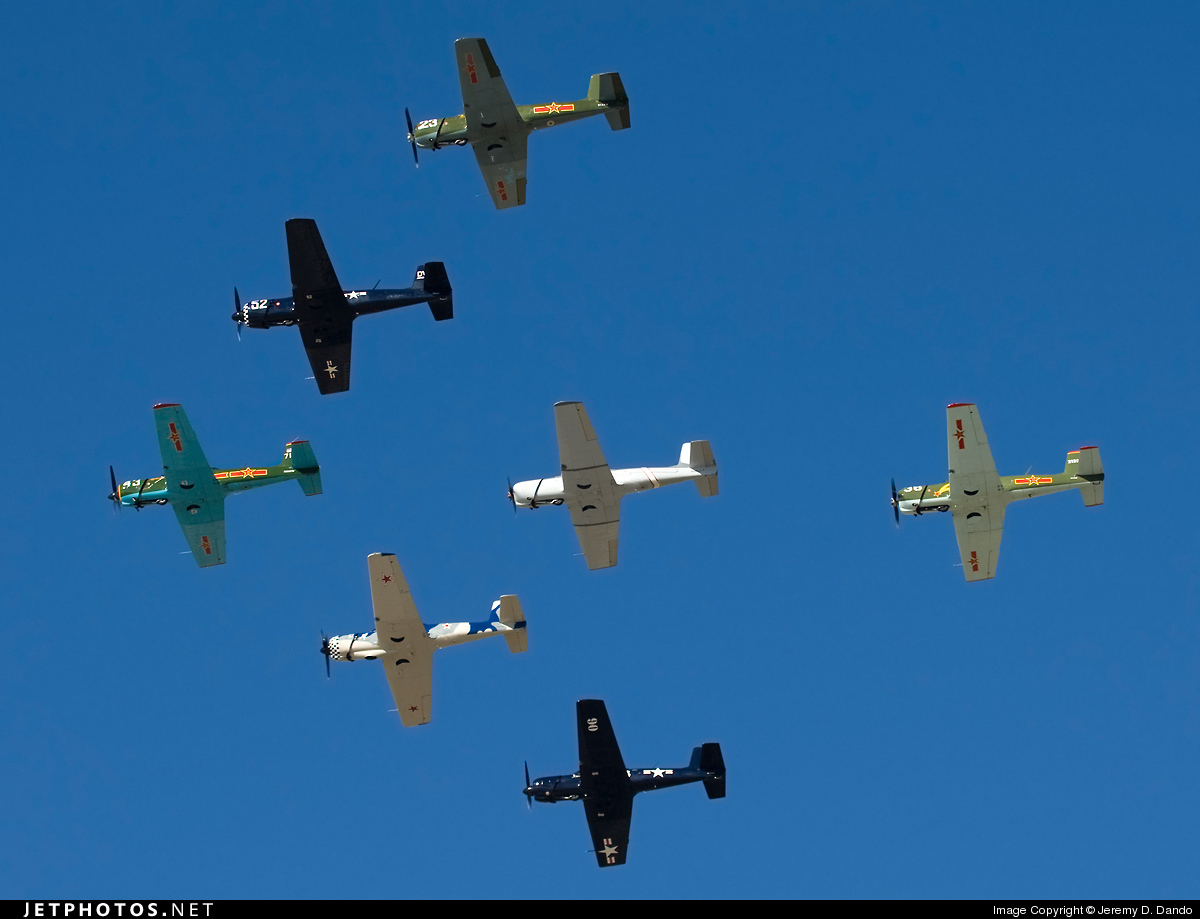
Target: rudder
432 278
608 89
713 762
299 455
508 612
1085 464
698 455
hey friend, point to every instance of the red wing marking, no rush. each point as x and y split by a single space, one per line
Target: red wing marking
205 546
974 562
471 67
1034 480
553 107
502 192
387 578
960 434
175 437
412 708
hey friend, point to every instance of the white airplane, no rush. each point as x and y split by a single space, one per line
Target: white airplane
977 496
593 492
405 645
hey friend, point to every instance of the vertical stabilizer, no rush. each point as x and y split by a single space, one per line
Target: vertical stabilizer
299 455
608 89
698 455
712 762
1085 464
511 615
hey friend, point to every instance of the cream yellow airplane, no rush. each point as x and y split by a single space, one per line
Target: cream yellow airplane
977 497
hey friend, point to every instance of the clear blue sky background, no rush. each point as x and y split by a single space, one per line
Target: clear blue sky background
827 222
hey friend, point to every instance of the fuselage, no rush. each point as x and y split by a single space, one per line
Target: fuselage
554 788
365 645
536 492
435 133
139 492
924 499
263 314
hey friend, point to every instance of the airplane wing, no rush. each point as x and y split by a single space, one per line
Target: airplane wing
494 120
976 495
409 661
607 791
502 161
324 319
198 501
591 493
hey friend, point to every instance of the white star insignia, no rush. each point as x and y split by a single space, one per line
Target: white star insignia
355 294
330 369
609 851
658 773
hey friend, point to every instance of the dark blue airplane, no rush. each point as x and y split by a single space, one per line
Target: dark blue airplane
607 788
325 312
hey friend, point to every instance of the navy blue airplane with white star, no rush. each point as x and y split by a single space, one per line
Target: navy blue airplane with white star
607 788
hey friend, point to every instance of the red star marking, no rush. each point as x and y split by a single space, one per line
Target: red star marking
471 68
960 434
503 193
387 578
412 708
974 562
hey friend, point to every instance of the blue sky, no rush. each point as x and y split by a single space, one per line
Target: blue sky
827 222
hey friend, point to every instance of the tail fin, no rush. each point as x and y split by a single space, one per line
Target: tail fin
1085 464
432 278
299 455
608 88
507 612
711 761
698 455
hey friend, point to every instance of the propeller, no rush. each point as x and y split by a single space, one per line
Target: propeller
895 503
412 137
115 496
512 498
325 650
237 312
528 796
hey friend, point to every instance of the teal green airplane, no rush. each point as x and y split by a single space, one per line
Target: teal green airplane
197 490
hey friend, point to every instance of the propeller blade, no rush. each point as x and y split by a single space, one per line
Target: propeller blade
115 496
528 796
895 503
412 138
237 312
325 651
512 499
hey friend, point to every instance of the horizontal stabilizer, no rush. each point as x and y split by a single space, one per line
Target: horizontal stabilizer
608 89
432 278
511 615
698 455
299 455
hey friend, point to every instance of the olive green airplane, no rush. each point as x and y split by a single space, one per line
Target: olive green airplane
498 130
977 497
197 490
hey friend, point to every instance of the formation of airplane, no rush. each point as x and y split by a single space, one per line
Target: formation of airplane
197 491
405 645
977 497
325 312
593 492
498 130
606 787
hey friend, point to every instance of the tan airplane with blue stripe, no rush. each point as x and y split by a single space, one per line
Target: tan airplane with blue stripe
977 497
